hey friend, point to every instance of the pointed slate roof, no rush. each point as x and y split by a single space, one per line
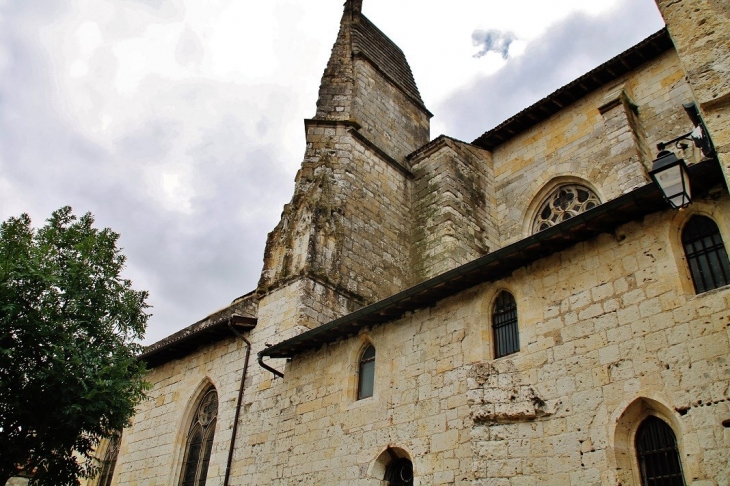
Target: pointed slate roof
371 43
360 38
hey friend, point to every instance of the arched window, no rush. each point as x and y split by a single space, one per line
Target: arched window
562 204
366 374
657 454
200 441
504 325
400 472
110 460
706 255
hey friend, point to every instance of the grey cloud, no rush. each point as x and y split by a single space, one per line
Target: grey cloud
191 262
32 10
492 41
150 141
156 4
189 48
565 52
199 261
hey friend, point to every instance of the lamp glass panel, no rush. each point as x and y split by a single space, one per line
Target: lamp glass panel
683 196
674 182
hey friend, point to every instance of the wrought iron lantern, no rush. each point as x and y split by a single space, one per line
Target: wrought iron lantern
670 174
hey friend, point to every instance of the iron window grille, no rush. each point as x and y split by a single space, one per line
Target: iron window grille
658 455
504 325
706 254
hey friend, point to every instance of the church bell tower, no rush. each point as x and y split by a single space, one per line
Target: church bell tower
344 240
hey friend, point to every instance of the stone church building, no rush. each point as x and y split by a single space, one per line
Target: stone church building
524 309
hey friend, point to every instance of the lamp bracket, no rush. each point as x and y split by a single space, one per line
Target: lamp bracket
687 136
699 135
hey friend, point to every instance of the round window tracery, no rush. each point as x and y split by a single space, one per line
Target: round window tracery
564 203
208 408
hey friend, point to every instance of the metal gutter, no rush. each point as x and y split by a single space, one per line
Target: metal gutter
242 322
267 367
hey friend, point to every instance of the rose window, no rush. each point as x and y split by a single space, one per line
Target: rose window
564 203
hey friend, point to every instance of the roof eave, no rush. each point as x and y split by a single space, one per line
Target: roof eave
193 337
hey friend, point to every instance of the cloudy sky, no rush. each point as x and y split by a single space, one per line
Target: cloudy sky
178 123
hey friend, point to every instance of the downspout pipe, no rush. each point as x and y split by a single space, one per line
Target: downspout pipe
246 323
267 367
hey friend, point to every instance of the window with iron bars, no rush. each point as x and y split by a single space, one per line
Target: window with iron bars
706 254
504 325
657 454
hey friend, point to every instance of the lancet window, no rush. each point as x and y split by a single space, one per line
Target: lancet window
504 325
110 461
366 375
199 442
657 454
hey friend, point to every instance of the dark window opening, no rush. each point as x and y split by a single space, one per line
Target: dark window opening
400 473
504 325
658 455
366 374
706 254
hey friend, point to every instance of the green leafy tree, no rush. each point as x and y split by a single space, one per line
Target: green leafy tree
69 324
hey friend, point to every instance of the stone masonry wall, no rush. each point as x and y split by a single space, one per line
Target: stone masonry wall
336 89
453 207
604 325
593 140
389 119
378 241
349 204
328 437
151 449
